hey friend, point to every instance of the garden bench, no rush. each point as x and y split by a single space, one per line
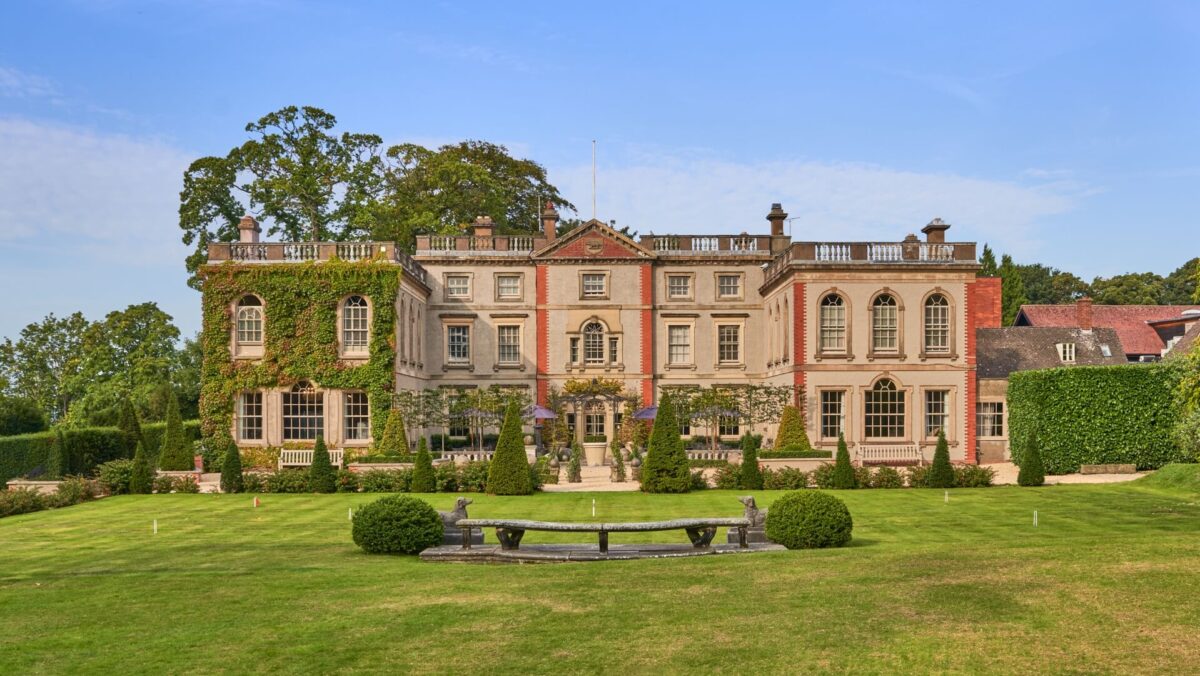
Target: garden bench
303 457
510 531
902 454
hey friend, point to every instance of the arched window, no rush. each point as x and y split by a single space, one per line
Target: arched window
833 323
249 321
937 324
884 411
303 413
885 324
355 326
593 343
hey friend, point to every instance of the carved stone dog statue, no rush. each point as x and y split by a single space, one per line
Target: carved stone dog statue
451 534
757 533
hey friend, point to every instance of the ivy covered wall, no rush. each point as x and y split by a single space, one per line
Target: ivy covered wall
300 333
1086 415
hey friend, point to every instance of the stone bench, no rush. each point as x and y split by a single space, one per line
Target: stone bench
510 531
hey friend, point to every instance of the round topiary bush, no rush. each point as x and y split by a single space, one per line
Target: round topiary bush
809 520
397 524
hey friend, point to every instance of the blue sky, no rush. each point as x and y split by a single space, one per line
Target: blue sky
1064 133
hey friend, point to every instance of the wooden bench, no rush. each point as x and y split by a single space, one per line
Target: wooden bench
303 457
898 455
510 531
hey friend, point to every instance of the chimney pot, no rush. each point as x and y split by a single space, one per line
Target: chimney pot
248 230
483 226
777 216
1083 313
550 221
935 232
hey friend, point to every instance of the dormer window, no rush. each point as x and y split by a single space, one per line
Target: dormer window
1107 351
1066 352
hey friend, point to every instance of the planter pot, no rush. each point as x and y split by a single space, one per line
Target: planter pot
594 452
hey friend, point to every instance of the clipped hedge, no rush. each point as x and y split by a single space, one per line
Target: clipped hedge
1086 415
87 447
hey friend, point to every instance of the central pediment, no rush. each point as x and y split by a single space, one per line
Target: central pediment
593 240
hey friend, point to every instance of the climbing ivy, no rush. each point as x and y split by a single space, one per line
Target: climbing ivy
300 333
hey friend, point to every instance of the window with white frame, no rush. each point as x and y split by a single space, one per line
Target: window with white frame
356 416
458 344
679 344
574 350
884 411
936 411
1066 352
729 344
593 421
833 323
250 416
885 324
303 413
989 418
250 321
458 286
593 343
729 286
679 286
614 350
728 426
508 287
508 344
594 285
832 412
937 324
355 324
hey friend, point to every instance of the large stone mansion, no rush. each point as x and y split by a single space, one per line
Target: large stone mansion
879 336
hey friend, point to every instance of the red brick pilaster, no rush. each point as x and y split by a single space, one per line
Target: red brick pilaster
542 282
982 310
647 331
799 306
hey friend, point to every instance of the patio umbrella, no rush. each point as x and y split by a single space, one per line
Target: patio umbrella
648 413
540 413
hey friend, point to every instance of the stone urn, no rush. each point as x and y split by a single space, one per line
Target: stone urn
594 452
553 461
528 439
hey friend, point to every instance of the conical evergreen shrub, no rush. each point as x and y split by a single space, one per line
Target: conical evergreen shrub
1032 472
666 469
127 422
423 480
395 437
176 452
791 430
141 480
58 465
941 474
321 477
750 475
574 468
508 473
231 468
843 471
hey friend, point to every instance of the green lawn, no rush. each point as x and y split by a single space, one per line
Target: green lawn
1108 582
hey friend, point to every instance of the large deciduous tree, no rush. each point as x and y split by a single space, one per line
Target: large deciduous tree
44 363
1135 288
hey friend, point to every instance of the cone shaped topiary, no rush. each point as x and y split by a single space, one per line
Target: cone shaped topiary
321 477
843 471
1032 473
791 430
941 474
508 473
141 480
58 466
750 476
127 422
176 452
574 469
666 469
231 468
395 437
422 477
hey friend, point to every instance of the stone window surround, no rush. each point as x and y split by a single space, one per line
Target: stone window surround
607 285
848 353
718 322
470 295
357 355
872 353
520 363
847 415
582 364
691 294
520 287
1003 419
951 409
469 322
248 351
741 295
333 402
690 323
952 349
908 390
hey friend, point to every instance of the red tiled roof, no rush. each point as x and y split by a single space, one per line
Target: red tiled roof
1137 337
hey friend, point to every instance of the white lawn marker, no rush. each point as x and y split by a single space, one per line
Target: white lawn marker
156 526
947 497
593 507
350 513
1035 518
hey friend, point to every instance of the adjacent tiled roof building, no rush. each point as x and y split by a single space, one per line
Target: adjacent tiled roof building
1134 324
1022 348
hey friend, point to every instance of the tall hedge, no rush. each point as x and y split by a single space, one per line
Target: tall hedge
666 469
509 471
1086 415
176 454
321 477
791 429
86 447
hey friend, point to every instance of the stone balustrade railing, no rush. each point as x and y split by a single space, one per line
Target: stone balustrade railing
871 253
691 245
471 245
301 252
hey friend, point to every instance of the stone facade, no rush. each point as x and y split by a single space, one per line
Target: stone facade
881 331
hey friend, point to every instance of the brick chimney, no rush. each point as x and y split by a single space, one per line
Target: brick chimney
777 216
1083 313
483 227
550 221
248 230
935 232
